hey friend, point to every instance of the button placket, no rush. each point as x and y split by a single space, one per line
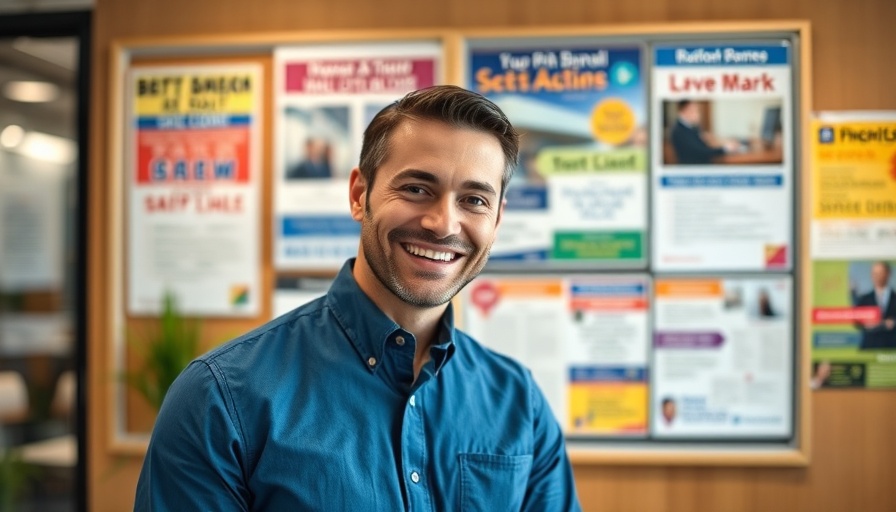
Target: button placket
414 456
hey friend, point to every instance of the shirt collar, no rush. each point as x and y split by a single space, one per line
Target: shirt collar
368 328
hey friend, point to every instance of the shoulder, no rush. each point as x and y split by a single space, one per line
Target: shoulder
469 347
680 130
866 299
270 340
479 362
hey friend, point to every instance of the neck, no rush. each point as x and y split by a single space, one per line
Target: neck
422 322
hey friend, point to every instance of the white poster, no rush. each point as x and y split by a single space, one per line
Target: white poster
722 157
723 358
325 98
584 338
193 189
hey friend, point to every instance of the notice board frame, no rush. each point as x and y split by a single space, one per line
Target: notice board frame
126 52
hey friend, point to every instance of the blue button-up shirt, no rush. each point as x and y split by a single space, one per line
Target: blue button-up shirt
319 410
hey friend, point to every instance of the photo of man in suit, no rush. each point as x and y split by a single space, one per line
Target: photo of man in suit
316 162
877 335
690 144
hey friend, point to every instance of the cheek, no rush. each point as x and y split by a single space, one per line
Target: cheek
485 234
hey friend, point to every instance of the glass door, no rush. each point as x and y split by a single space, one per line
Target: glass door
42 264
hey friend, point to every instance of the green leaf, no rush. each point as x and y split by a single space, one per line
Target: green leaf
166 349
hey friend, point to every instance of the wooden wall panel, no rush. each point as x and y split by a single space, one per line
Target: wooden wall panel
853 439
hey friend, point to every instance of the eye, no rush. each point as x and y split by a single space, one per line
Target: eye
414 189
475 201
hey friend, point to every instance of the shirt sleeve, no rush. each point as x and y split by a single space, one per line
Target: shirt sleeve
551 486
196 456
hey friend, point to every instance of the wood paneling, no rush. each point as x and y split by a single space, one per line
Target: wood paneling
853 444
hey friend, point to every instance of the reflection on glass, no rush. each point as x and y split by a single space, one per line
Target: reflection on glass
38 208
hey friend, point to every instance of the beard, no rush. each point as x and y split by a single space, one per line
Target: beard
430 293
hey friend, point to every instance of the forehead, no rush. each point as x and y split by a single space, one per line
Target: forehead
439 147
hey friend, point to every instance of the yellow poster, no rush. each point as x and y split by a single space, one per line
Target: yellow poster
854 169
853 245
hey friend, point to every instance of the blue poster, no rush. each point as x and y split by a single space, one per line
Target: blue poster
579 193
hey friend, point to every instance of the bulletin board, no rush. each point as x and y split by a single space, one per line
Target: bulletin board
655 295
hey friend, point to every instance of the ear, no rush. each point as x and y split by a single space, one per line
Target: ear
357 193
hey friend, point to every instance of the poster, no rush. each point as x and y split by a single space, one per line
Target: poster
32 228
585 339
292 292
193 189
722 358
853 249
325 98
722 159
578 197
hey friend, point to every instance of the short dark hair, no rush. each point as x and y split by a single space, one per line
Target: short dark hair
446 103
683 104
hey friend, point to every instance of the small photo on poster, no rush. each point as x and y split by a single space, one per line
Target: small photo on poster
668 410
871 286
757 301
722 131
317 142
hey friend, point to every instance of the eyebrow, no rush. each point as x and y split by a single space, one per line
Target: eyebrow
429 177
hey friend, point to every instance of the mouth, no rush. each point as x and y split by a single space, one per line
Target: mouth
429 254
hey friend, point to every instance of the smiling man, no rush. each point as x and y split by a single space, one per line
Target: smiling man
369 398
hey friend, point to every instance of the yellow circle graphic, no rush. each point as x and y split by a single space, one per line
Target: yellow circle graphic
612 121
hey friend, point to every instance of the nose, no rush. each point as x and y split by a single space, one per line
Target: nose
442 218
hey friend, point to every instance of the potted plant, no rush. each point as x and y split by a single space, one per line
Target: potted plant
166 351
15 475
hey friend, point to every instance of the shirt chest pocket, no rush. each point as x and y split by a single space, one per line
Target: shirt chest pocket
493 482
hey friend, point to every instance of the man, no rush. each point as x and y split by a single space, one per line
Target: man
369 398
882 334
690 147
668 407
315 164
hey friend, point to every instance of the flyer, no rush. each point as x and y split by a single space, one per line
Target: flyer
722 159
578 197
723 358
853 249
325 98
585 339
193 154
32 223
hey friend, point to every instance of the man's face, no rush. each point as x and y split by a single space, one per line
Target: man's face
879 275
431 217
691 113
669 411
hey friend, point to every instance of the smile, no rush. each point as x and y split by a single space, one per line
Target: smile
429 253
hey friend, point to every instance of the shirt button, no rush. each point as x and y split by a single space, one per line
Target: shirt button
415 477
399 340
371 361
413 401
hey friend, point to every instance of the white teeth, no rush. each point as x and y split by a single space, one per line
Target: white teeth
429 253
